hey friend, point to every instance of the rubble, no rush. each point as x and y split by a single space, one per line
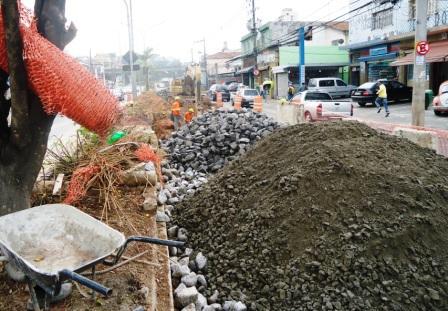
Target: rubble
330 216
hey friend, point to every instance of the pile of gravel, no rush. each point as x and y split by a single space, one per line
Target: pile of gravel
213 139
196 150
325 217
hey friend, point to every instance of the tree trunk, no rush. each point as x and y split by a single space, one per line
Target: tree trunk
21 155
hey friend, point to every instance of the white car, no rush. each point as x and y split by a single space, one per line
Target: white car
247 97
319 106
333 86
440 102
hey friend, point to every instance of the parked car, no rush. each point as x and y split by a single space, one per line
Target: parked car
440 102
247 97
333 86
396 91
318 106
233 91
215 88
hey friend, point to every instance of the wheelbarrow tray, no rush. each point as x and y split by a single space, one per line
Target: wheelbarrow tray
44 240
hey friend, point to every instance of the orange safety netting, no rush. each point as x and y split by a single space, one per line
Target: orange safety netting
63 85
147 154
78 184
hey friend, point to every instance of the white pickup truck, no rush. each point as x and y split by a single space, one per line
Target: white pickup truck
317 106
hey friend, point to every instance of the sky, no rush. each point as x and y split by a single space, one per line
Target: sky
171 27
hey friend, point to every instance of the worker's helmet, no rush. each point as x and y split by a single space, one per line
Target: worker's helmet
177 98
191 110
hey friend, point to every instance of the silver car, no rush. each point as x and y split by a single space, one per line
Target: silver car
333 86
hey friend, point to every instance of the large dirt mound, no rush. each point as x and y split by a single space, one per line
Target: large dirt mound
326 217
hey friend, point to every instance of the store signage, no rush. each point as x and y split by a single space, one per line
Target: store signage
422 47
378 51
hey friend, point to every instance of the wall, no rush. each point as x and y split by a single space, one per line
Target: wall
289 55
326 37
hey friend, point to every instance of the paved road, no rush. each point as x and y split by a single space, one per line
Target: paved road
399 114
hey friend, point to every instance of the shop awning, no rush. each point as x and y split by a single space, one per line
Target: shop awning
245 70
438 52
378 57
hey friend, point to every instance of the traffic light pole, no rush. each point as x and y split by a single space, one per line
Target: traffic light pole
418 93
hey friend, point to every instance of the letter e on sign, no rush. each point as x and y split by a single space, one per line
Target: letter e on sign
422 47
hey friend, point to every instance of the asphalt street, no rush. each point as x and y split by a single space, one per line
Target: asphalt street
400 113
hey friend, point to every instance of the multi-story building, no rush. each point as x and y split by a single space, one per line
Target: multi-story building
381 41
218 68
278 55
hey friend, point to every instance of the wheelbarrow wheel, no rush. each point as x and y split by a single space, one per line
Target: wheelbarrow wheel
66 290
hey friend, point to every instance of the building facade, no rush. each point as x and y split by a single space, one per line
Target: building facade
381 41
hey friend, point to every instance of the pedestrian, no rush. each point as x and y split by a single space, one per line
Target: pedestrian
175 113
381 100
189 115
291 91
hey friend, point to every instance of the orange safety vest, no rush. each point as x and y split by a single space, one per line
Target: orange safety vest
175 108
188 116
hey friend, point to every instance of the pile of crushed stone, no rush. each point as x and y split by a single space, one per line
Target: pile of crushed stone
213 139
329 216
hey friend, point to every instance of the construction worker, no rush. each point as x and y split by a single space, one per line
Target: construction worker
175 113
189 115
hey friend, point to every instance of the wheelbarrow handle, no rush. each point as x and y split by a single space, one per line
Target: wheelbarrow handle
146 239
143 239
86 282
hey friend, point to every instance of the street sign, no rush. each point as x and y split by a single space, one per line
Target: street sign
127 57
422 47
256 72
128 68
420 60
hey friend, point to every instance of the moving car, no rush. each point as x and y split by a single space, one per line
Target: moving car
440 102
333 86
396 91
215 88
318 106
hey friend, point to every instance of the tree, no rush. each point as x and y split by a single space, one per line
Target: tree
23 140
146 64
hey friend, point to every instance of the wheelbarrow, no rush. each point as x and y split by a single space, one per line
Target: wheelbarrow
54 243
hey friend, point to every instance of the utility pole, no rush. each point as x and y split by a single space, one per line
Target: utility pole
301 56
205 65
418 93
131 46
254 33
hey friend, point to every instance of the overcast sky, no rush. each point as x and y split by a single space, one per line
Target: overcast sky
171 26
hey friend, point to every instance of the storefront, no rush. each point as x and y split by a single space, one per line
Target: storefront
437 65
375 62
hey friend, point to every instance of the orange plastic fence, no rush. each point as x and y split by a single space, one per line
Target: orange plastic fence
63 85
77 187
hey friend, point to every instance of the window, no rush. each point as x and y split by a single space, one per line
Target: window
340 83
382 19
432 8
250 92
326 83
396 85
312 83
317 96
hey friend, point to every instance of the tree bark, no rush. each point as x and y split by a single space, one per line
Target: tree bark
23 143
